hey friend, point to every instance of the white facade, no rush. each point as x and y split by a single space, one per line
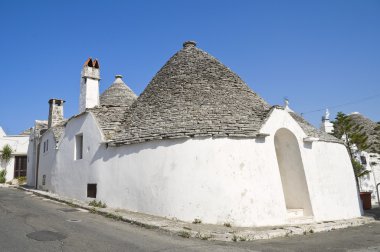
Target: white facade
19 145
217 180
260 167
370 181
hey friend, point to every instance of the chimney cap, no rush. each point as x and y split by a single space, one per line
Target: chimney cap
118 76
96 64
56 101
88 62
190 43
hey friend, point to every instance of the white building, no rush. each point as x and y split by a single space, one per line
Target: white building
369 158
16 166
326 125
197 143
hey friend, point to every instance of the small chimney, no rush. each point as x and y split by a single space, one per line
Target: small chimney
326 125
89 85
55 112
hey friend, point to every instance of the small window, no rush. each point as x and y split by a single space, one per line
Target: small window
46 146
91 190
363 160
78 147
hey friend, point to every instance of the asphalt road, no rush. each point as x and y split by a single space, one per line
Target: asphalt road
30 223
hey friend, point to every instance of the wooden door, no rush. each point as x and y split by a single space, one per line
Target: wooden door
20 166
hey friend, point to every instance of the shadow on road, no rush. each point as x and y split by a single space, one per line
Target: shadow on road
375 212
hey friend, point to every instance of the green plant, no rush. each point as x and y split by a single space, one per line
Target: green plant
184 234
6 153
21 180
2 176
95 203
227 224
203 236
242 238
114 216
359 169
234 238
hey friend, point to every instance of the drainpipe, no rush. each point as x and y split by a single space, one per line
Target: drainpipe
377 192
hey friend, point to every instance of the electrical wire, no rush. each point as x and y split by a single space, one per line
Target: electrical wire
343 104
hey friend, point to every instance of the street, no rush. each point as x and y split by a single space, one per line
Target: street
31 223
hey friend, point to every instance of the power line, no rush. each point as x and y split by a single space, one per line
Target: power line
343 104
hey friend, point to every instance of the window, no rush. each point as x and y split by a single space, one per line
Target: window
91 190
78 147
46 146
363 160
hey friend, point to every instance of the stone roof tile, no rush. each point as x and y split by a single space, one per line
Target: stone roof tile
193 95
109 118
118 94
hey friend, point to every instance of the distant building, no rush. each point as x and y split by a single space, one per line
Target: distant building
326 125
197 143
17 165
369 158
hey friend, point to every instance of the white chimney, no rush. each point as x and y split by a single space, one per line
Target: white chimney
326 125
89 85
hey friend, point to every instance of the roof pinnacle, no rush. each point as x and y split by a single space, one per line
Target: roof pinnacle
188 44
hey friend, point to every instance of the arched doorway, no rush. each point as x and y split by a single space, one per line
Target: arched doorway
292 172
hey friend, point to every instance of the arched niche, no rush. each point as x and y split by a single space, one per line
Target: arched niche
292 172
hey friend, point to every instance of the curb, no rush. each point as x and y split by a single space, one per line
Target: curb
204 232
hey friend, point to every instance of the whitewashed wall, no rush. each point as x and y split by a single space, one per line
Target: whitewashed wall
19 145
369 181
89 94
375 167
216 180
328 171
31 164
47 161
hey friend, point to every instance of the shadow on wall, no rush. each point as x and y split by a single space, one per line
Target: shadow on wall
105 153
307 145
292 172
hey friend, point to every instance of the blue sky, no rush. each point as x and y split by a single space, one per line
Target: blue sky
318 54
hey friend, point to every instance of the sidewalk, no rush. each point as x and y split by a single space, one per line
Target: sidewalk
211 232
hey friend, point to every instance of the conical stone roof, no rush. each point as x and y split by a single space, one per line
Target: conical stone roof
194 95
118 94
